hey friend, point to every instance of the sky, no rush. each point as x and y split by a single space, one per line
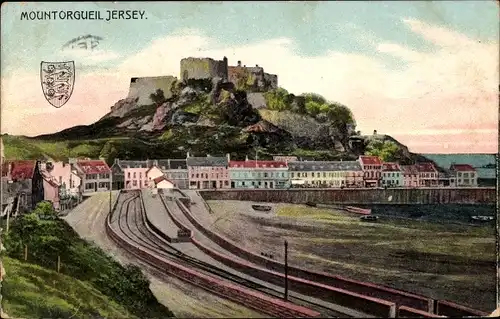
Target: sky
424 72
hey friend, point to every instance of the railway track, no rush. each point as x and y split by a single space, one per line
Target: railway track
130 219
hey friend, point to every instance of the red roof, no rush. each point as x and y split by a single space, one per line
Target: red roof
257 164
390 167
94 167
409 169
160 179
462 168
370 160
426 167
20 169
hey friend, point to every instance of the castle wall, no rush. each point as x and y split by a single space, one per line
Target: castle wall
203 68
243 76
144 86
272 79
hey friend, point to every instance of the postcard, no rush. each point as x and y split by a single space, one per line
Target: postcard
249 159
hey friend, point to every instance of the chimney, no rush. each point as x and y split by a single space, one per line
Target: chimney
239 63
208 155
228 157
117 161
256 65
246 158
187 155
245 66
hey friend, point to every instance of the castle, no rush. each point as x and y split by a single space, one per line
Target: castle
243 77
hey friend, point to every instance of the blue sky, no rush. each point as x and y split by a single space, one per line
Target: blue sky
316 27
425 72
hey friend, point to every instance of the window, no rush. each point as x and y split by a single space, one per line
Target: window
140 175
226 183
60 179
128 175
89 185
134 182
134 175
292 175
197 175
265 174
312 174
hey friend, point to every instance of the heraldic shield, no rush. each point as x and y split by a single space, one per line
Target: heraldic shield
58 80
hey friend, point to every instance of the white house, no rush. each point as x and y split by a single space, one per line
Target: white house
163 182
154 172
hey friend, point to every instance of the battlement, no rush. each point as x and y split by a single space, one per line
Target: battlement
203 68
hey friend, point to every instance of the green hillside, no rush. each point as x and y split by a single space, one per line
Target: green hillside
30 291
82 266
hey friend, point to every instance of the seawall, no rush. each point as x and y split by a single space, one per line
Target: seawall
483 195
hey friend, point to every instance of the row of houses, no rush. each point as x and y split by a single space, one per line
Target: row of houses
215 172
64 183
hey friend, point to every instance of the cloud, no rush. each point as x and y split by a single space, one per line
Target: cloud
89 57
454 84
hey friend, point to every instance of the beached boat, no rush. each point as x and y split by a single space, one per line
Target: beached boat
370 218
482 218
261 208
311 204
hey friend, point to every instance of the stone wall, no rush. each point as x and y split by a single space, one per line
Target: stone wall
477 195
203 68
143 87
271 80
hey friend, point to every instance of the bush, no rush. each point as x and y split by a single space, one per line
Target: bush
47 239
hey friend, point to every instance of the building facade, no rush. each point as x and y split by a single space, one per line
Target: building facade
410 176
208 172
51 189
372 170
24 183
466 175
427 174
66 176
392 175
95 175
176 171
325 174
135 177
258 174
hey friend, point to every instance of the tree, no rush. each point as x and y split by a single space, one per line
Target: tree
387 151
277 100
109 152
314 97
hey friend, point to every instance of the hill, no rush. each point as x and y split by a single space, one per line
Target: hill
209 117
30 291
83 266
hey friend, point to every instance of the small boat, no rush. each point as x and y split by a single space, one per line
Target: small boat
482 218
369 218
261 208
311 204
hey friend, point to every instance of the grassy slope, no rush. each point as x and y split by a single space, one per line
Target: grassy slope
30 291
